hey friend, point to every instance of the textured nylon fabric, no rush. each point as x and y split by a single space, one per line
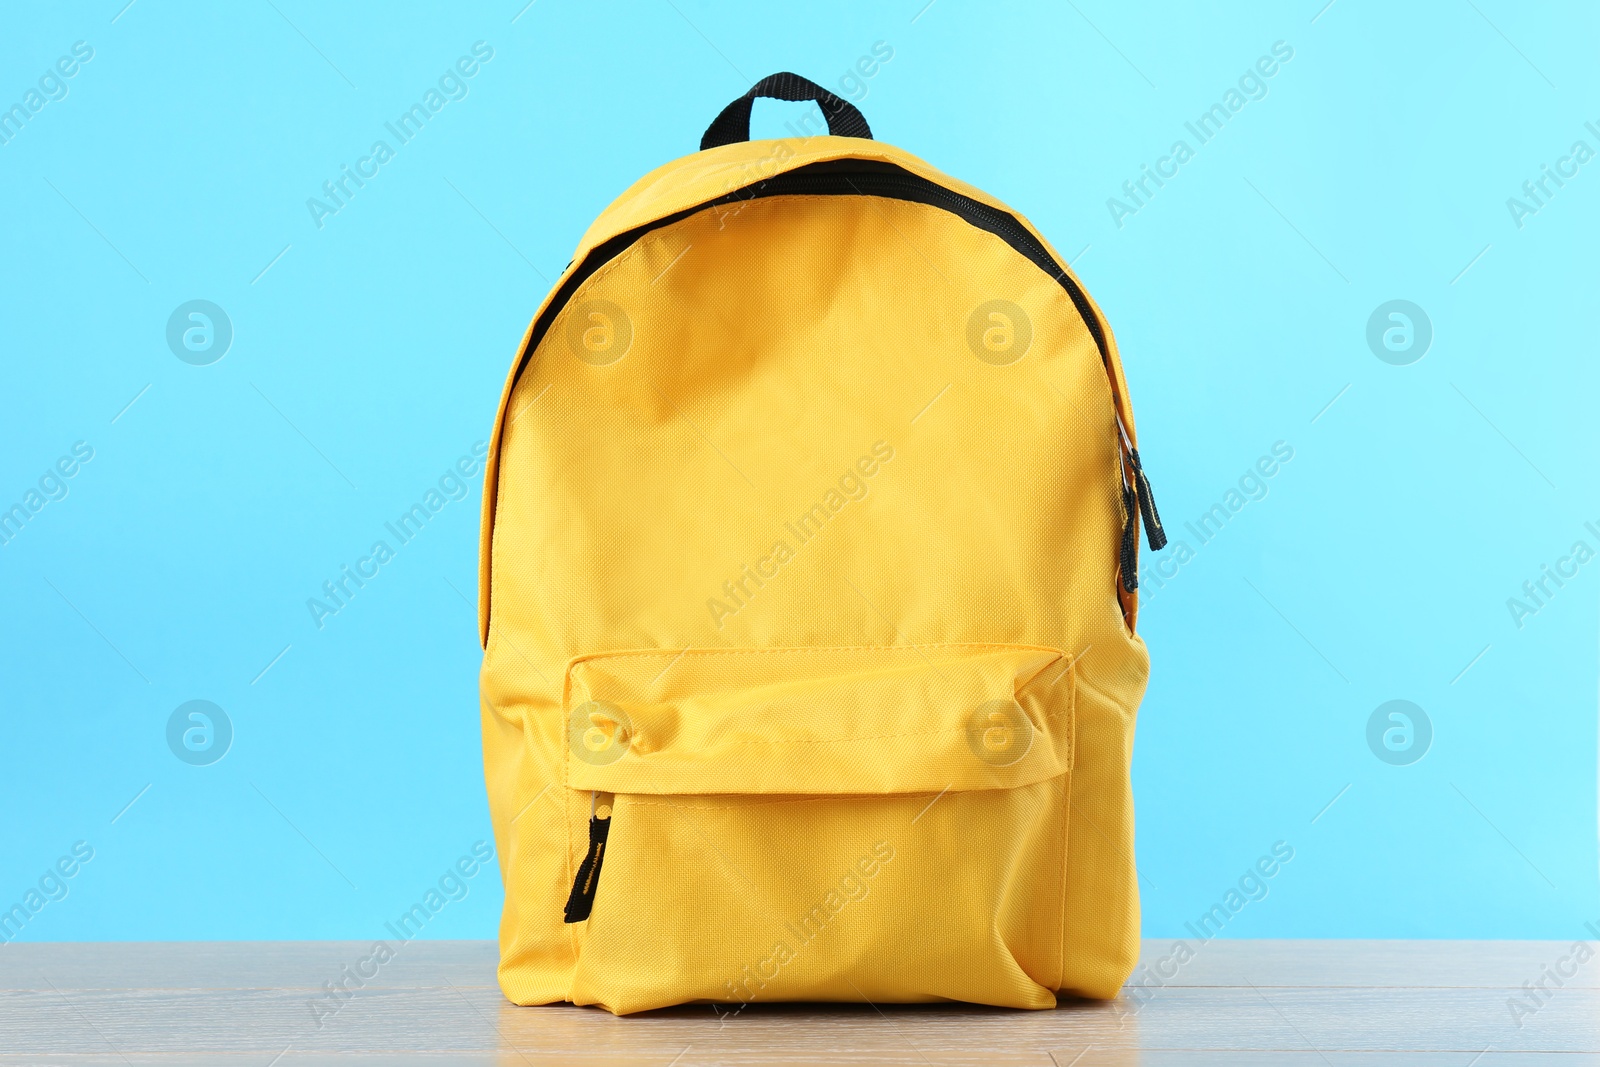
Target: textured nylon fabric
819 596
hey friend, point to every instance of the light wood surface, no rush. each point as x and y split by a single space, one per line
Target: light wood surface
1410 1003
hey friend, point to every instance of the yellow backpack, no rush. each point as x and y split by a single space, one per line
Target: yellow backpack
807 596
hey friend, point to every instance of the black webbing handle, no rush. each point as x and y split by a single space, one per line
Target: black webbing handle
733 124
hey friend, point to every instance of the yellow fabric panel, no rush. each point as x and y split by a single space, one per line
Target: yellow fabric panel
819 721
845 899
761 514
701 177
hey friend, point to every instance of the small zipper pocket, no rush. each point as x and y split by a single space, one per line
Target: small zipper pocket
784 823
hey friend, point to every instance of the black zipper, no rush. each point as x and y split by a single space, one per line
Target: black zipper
844 177
893 183
862 177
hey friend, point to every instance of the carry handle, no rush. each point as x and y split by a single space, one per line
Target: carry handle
733 125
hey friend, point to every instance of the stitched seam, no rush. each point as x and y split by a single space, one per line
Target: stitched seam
798 649
1048 717
656 800
1066 825
1061 910
566 818
1051 716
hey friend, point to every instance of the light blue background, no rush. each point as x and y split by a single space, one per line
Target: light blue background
368 357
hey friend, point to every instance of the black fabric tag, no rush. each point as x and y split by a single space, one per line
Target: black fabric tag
581 902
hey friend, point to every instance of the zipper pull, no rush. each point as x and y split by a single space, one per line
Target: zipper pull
1147 505
1153 531
581 902
1130 540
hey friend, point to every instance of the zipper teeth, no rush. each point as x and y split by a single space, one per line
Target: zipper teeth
998 222
1001 223
865 183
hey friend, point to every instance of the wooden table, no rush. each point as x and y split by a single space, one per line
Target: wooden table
1237 1002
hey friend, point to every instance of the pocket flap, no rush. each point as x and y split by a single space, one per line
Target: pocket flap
873 720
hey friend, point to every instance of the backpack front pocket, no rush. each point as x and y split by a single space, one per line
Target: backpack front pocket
877 823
